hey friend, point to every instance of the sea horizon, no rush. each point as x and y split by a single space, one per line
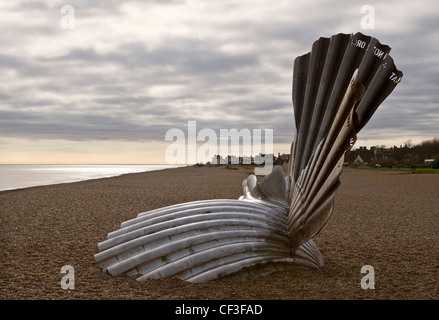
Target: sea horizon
18 176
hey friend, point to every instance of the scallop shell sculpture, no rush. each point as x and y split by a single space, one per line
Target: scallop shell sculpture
336 89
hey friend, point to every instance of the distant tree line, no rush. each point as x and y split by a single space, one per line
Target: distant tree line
424 154
417 154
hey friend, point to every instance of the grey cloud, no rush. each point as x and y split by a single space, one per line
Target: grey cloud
24 66
31 5
68 97
188 59
4 96
7 61
122 101
76 127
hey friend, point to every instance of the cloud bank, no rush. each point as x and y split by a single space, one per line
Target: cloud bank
130 71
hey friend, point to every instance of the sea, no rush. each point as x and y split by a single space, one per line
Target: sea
17 176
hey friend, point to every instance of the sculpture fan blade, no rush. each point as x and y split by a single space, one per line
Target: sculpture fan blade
198 241
336 89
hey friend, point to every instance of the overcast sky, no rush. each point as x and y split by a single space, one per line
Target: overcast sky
108 90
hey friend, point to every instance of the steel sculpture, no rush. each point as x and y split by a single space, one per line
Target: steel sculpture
336 89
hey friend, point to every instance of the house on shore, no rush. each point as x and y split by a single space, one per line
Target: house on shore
360 156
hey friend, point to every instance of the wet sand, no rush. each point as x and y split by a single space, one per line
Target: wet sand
386 220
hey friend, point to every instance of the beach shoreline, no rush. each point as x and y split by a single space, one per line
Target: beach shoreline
382 219
17 177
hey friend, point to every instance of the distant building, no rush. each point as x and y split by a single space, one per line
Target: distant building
244 160
281 159
360 156
383 155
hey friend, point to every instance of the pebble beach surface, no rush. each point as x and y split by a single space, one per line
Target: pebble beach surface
386 220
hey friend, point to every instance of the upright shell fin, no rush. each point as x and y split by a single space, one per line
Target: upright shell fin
337 88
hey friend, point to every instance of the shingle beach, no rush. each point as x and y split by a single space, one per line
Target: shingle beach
386 220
